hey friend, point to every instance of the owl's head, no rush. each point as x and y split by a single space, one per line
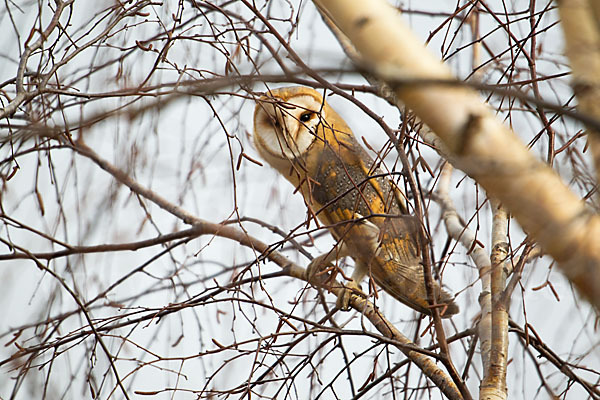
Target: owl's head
286 123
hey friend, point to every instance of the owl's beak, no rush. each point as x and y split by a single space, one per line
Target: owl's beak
275 109
275 116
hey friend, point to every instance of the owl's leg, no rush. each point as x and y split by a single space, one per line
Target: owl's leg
368 235
353 286
319 263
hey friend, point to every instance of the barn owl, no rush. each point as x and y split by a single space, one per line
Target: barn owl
304 139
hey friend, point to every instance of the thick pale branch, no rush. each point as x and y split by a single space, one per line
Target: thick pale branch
482 260
455 227
484 148
582 36
493 386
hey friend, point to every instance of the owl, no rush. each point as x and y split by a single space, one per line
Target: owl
303 138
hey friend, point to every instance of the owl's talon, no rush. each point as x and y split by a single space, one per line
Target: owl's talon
317 265
343 300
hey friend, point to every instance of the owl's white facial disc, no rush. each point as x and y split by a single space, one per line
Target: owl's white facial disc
286 130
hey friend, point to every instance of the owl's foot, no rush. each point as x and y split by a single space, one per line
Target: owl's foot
316 266
322 262
351 289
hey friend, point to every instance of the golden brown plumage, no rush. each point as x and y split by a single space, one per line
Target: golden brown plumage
298 134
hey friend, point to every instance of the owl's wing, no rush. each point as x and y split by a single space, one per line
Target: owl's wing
398 269
383 195
369 215
391 254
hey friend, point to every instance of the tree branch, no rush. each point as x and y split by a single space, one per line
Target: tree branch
484 148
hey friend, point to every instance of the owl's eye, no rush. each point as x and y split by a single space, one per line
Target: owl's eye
306 116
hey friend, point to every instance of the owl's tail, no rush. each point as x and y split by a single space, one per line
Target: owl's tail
413 293
450 307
